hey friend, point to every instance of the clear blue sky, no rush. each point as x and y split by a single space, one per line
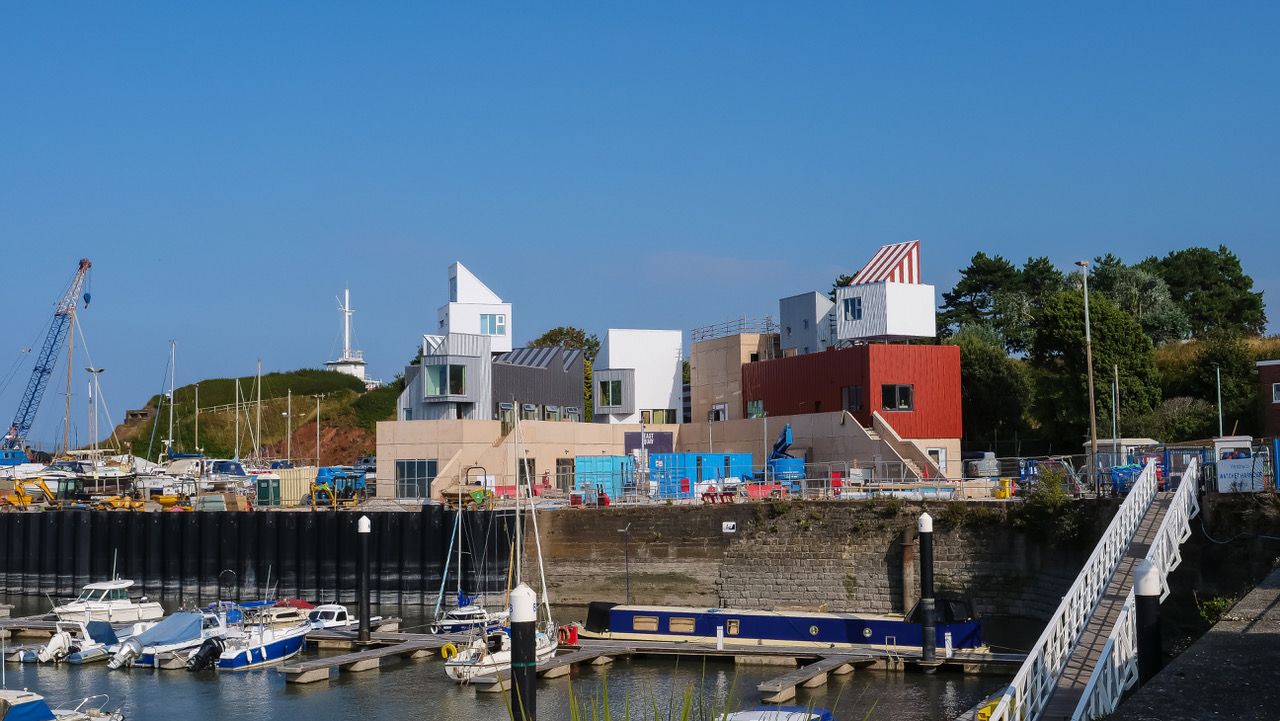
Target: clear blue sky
228 167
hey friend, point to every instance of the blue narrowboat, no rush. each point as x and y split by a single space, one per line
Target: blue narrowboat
780 628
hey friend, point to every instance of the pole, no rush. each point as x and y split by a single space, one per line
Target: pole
1088 352
364 528
317 431
257 434
173 356
929 643
1115 408
197 418
288 435
1146 601
524 659
1218 370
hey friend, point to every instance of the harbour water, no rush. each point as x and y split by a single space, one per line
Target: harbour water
419 689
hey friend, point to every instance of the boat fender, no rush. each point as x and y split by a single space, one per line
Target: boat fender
448 651
207 655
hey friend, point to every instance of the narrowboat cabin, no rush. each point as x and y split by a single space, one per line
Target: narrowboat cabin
780 628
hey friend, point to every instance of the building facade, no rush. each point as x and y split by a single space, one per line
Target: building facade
474 309
637 377
542 384
715 373
807 323
451 381
1269 396
886 300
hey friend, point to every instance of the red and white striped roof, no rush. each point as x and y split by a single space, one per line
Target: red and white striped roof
897 263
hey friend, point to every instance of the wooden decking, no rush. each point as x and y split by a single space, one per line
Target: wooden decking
553 667
1075 676
783 688
368 659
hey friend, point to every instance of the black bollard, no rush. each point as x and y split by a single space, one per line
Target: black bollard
929 636
1146 602
524 658
364 528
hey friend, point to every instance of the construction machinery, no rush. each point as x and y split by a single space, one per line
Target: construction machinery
32 492
335 487
64 315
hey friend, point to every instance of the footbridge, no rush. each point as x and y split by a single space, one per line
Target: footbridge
1087 657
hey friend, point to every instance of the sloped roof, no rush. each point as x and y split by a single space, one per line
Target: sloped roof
539 357
898 263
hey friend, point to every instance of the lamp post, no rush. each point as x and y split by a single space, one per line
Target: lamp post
626 556
1088 354
364 527
1217 369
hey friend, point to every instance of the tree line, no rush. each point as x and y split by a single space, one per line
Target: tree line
1162 326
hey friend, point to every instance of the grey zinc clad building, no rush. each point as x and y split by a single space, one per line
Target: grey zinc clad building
538 383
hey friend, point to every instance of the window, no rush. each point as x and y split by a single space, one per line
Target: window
806 324
493 324
853 308
528 470
755 409
719 412
611 393
1275 392
754 357
444 380
898 398
644 623
731 627
851 396
663 415
564 474
413 478
408 414
680 624
646 417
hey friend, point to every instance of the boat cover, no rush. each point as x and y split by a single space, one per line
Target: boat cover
178 628
102 632
34 710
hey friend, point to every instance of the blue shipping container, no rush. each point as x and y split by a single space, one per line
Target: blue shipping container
612 474
677 475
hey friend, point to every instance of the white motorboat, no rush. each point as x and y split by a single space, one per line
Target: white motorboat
333 615
250 646
79 642
468 618
491 653
20 705
169 643
109 601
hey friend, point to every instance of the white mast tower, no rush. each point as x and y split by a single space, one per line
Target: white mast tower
351 361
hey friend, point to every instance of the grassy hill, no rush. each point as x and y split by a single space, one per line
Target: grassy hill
348 414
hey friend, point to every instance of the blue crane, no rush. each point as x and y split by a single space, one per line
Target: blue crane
64 314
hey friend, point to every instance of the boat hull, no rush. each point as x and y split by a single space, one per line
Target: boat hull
282 648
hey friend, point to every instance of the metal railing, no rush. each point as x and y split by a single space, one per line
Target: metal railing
1026 696
734 327
1117 668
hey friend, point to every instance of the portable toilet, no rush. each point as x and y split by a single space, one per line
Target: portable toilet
268 485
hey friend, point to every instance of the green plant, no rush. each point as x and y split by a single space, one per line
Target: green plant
1048 512
1214 608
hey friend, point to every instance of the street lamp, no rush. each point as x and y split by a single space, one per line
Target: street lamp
626 556
96 389
1217 369
318 396
1088 352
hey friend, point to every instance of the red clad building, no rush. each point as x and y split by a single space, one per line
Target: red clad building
1269 378
915 388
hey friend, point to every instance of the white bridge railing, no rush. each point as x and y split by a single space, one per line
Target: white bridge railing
1026 696
1117 668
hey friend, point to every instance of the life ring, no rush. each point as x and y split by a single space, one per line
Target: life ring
448 651
563 634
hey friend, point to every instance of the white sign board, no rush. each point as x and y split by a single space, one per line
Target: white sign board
1239 470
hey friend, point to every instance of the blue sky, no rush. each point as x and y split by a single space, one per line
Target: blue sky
228 168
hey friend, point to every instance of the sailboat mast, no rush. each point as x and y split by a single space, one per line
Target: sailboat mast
197 448
515 454
257 442
173 357
237 419
288 435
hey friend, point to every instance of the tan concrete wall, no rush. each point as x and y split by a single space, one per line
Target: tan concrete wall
819 437
715 371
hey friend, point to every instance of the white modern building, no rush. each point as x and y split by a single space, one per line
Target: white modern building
475 310
452 380
636 377
807 323
886 300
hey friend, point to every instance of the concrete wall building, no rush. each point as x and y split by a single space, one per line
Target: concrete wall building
637 377
474 309
1269 380
807 323
715 373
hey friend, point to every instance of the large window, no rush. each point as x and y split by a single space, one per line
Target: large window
897 397
493 324
755 409
444 380
1275 392
611 393
663 415
853 308
413 478
564 474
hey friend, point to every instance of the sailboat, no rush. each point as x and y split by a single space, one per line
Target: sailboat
467 615
490 652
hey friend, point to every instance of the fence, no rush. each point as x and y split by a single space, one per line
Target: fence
1117 668
1026 696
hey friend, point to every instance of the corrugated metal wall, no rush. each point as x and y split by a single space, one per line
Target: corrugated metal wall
812 384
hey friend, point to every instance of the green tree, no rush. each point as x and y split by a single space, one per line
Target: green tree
1227 351
844 279
1141 293
994 387
972 300
569 337
1058 357
1212 289
1176 419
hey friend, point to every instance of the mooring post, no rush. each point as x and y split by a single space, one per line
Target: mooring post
1146 602
929 641
364 528
524 659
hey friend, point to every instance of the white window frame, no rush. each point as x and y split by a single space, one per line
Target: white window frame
852 308
1275 392
493 324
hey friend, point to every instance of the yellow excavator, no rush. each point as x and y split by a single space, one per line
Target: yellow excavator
22 499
